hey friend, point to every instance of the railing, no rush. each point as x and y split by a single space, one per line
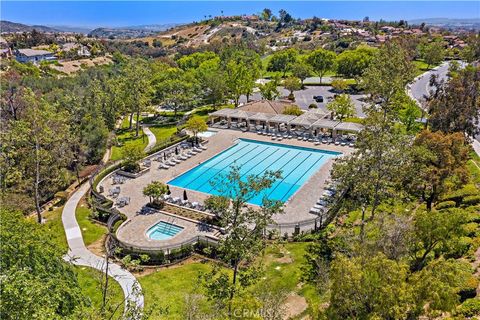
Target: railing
167 248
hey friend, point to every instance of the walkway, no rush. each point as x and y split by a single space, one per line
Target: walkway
78 254
152 140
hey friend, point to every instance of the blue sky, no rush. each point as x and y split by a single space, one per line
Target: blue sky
128 13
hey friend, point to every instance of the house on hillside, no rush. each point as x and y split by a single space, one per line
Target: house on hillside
34 56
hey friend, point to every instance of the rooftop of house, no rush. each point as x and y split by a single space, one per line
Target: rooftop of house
266 106
33 52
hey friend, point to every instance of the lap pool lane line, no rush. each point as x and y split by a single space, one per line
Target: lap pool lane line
261 161
212 166
78 254
228 165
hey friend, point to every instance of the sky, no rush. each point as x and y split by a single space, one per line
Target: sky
131 13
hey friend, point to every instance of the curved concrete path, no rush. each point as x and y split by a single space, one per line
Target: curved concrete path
78 254
152 140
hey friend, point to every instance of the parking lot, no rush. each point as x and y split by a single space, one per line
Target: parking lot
303 98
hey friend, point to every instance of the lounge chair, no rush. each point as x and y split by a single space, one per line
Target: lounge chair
315 211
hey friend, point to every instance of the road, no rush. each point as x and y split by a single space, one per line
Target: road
420 88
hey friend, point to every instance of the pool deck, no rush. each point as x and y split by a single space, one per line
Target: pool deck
296 208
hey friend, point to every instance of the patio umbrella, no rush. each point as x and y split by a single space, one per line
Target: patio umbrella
168 190
185 195
164 156
176 150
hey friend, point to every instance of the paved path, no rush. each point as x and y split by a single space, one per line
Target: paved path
78 254
152 140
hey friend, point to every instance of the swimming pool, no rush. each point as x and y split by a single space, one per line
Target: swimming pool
163 231
297 165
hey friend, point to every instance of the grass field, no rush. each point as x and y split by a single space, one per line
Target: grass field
168 287
55 228
91 231
163 133
89 282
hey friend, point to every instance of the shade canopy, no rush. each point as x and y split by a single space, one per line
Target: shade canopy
349 126
281 118
261 117
325 124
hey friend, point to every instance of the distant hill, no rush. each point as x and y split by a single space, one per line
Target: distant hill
473 23
130 32
8 26
73 29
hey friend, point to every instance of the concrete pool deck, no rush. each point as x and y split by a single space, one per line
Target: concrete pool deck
296 208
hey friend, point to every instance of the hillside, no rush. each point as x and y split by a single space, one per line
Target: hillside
129 32
8 26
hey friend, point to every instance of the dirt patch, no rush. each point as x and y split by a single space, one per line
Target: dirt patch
295 305
70 67
98 247
284 260
151 269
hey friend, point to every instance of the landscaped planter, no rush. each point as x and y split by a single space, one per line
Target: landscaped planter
133 174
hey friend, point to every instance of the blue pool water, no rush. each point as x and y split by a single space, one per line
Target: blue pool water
163 231
296 164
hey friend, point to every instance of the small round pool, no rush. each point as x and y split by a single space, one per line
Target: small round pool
207 134
163 231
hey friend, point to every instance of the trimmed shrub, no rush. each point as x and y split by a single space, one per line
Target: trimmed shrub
62 196
312 106
445 205
470 308
471 200
458 195
117 225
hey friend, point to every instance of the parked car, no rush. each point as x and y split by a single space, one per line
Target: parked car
318 98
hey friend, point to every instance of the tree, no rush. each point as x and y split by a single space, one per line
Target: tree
195 125
244 230
342 106
368 287
455 106
176 89
352 63
292 84
269 90
293 110
132 153
282 61
434 230
154 191
137 88
36 282
301 70
433 53
266 14
321 61
194 60
439 165
408 115
38 145
211 79
387 75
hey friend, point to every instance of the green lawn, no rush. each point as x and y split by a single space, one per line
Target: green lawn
168 287
89 282
91 231
126 137
163 133
421 67
55 227
474 167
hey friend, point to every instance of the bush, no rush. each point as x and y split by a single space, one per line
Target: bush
471 200
117 225
470 308
458 195
445 205
62 196
313 106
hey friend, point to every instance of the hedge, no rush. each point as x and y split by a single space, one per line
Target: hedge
471 200
446 204
458 195
469 308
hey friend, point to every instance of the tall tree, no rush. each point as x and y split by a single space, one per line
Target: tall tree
42 151
321 61
282 61
352 63
342 106
301 70
440 164
433 53
138 89
244 229
455 105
